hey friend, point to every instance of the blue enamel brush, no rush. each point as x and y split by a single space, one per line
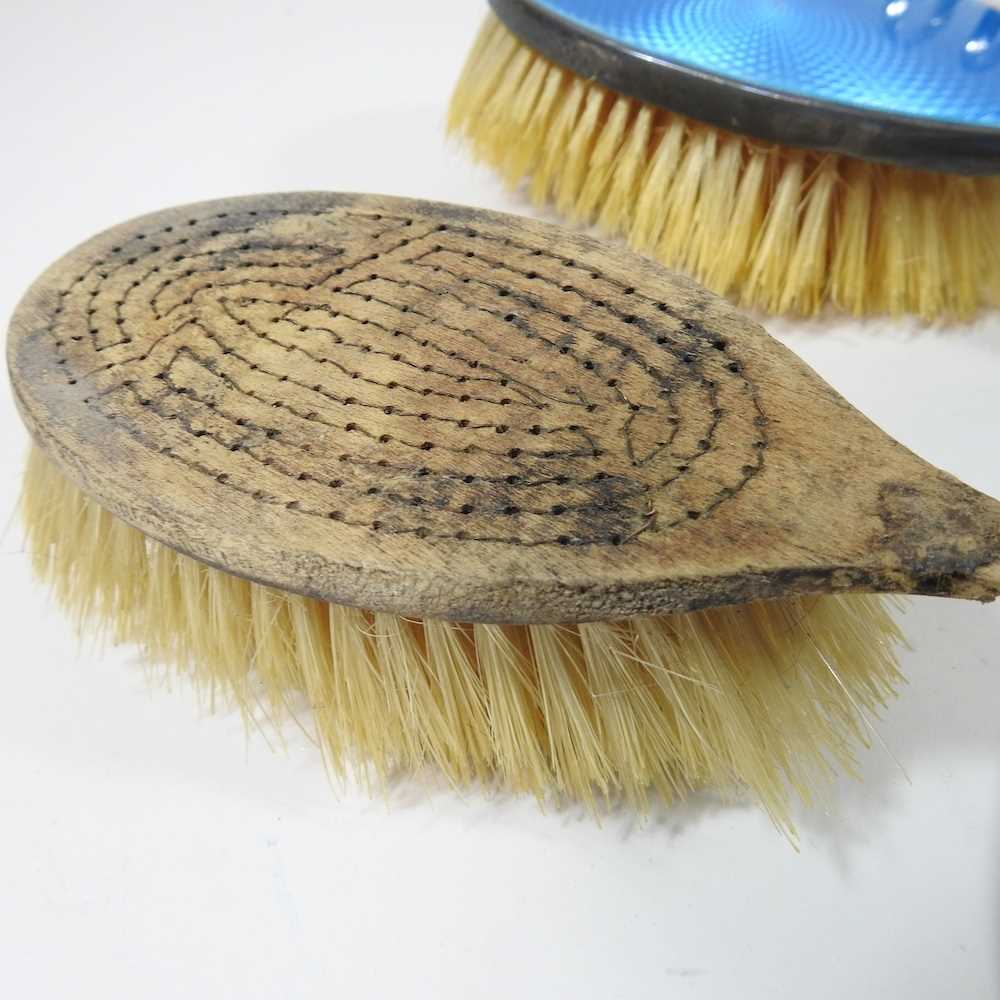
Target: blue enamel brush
790 153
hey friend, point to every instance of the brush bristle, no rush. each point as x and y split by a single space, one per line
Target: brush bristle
770 697
779 229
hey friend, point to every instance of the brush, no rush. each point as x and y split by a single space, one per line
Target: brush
790 155
489 495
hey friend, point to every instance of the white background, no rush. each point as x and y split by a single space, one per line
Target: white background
149 849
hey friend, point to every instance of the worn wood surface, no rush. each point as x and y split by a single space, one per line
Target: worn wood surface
452 413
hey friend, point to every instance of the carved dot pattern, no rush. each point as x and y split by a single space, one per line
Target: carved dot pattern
418 374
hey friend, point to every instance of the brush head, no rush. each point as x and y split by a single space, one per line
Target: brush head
443 412
909 82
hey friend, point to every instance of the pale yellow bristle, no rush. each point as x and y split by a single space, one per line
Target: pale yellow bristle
677 244
274 657
604 159
313 646
573 160
716 205
968 262
517 728
771 254
732 261
520 118
525 152
579 764
894 240
781 229
852 276
163 591
363 729
649 215
483 72
626 172
505 102
809 265
770 697
455 675
637 723
552 142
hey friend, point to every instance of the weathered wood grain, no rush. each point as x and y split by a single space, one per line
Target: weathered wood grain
439 411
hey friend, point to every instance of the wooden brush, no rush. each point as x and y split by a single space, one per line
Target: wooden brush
754 149
492 496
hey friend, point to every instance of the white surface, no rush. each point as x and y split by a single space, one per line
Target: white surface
150 850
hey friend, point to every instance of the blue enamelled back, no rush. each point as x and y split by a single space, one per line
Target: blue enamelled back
930 58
